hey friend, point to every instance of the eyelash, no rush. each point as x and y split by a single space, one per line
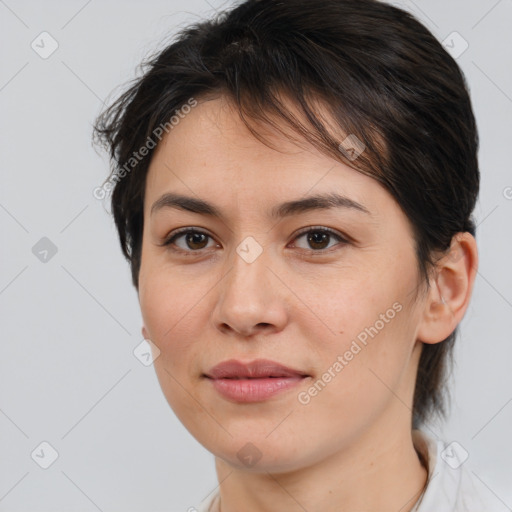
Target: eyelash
312 229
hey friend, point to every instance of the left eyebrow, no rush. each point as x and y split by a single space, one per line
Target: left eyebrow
316 202
289 208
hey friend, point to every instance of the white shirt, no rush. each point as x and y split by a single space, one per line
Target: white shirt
451 486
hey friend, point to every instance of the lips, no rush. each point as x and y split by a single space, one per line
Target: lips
258 369
257 381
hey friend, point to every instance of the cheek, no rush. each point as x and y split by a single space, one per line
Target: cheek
359 379
370 337
176 310
168 307
164 295
170 312
352 306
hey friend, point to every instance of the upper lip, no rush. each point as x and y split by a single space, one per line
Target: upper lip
259 368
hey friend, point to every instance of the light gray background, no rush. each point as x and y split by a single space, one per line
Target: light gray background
68 375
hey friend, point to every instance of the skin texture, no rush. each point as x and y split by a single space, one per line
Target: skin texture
350 448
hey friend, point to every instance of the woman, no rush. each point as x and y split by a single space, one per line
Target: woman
293 188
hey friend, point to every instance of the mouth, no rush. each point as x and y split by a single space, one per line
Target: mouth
257 369
255 381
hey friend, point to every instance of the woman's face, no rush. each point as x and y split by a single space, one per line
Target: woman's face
329 291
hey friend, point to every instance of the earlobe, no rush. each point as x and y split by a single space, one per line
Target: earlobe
450 290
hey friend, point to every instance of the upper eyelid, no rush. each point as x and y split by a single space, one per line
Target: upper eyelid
320 228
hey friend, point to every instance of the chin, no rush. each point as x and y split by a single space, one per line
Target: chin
259 455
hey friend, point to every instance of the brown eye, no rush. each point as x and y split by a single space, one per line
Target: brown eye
319 239
192 240
196 240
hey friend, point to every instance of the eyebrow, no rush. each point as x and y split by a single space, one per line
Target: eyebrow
287 209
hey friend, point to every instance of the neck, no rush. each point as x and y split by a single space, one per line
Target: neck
380 471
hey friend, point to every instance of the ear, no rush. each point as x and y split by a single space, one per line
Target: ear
450 290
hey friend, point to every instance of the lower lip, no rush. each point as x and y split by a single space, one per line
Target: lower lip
254 390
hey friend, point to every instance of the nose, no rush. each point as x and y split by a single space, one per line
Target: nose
251 298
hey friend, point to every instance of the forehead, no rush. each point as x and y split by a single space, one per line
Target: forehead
211 149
